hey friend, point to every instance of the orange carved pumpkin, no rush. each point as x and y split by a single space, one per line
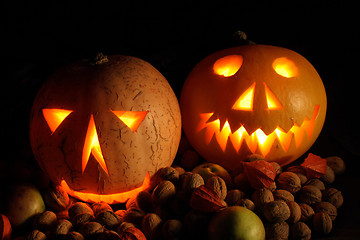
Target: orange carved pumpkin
101 130
253 99
5 228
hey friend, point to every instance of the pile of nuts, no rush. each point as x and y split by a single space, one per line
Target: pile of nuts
180 203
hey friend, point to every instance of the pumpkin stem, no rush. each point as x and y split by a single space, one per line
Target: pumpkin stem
99 59
240 38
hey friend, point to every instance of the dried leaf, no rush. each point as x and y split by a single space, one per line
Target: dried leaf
260 173
315 166
205 199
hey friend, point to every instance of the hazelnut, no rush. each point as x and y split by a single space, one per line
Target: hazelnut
317 183
310 194
164 193
295 212
74 236
144 201
276 211
172 229
329 176
99 207
262 196
79 207
300 231
336 164
328 208
151 226
218 185
289 181
108 219
179 169
45 221
322 223
277 231
56 198
333 196
63 227
281 194
36 235
307 212
233 196
90 228
247 203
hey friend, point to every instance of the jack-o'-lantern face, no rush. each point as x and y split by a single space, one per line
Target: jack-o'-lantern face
253 99
102 131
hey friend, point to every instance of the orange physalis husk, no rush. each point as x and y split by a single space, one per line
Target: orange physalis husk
205 199
260 173
315 166
132 233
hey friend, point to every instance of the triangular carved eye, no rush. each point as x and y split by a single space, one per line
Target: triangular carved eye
131 119
54 117
272 102
245 101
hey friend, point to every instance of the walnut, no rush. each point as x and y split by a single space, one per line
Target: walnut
99 207
277 231
317 183
190 181
89 229
322 223
329 176
170 174
300 231
108 219
307 212
218 185
295 212
63 227
247 203
133 215
123 226
164 193
328 208
277 167
233 196
79 207
281 194
310 195
333 196
74 236
108 235
336 163
36 235
172 229
144 201
45 221
276 211
262 196
289 181
82 218
151 226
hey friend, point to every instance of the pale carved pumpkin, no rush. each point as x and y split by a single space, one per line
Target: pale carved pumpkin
102 129
253 99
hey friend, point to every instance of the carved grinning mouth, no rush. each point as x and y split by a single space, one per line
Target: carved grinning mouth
257 139
108 198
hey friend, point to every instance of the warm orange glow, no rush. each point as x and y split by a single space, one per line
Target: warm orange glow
245 101
285 67
92 145
258 139
272 101
228 66
131 119
54 117
108 198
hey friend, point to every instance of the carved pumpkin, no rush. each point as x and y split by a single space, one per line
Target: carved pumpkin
253 99
101 130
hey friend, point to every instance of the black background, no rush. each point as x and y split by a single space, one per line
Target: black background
38 37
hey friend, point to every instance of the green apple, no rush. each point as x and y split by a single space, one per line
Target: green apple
236 223
208 170
23 202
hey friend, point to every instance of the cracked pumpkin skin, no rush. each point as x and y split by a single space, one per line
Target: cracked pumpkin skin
94 93
244 91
